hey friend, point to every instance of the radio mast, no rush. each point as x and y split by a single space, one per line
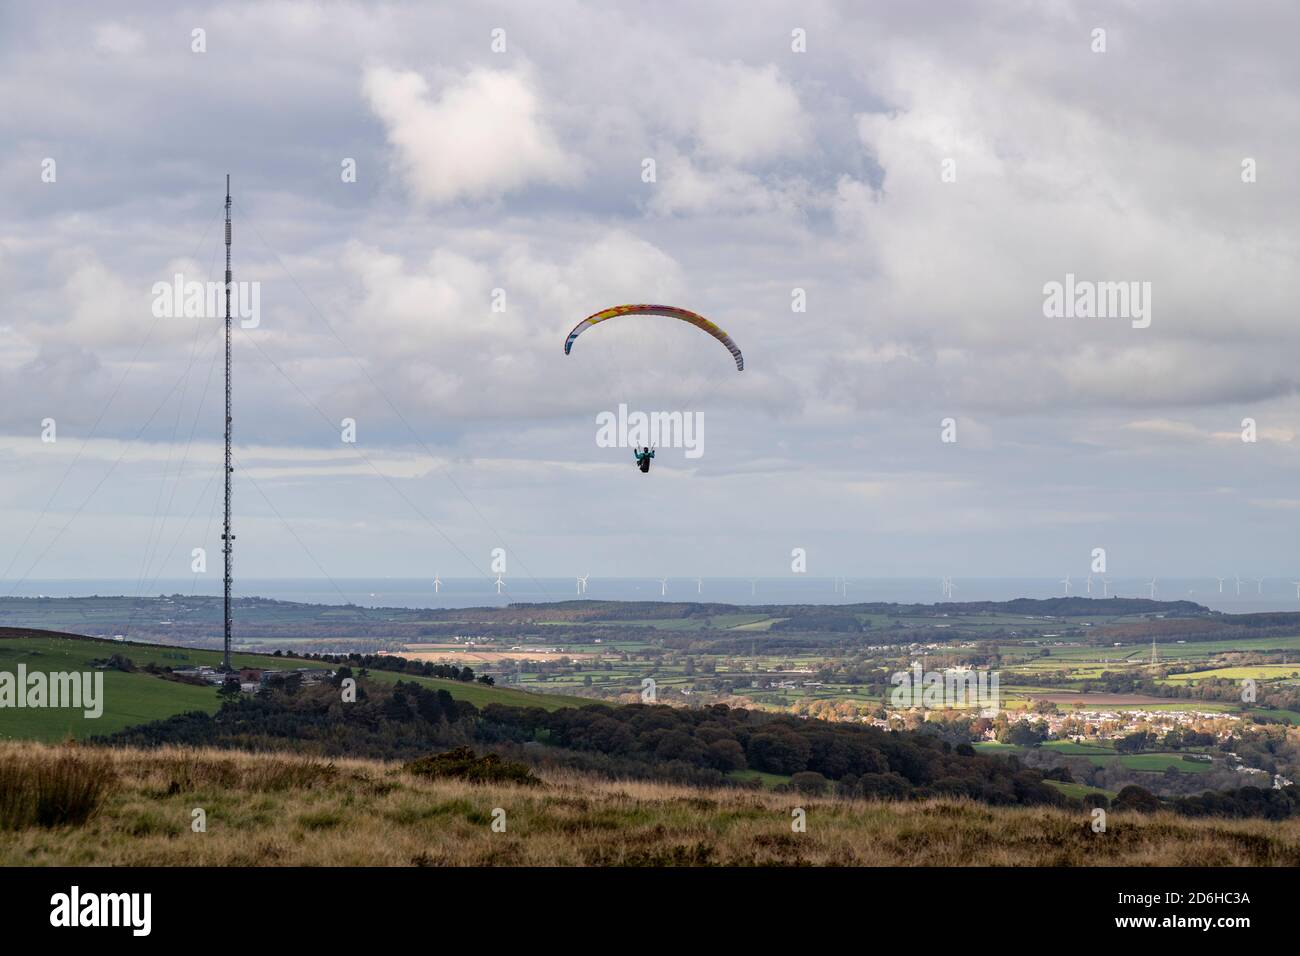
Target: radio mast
227 539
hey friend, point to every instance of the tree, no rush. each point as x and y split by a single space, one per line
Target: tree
1136 798
726 754
1024 733
396 707
1132 743
782 753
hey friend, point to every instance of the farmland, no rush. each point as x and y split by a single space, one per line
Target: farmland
1075 668
787 659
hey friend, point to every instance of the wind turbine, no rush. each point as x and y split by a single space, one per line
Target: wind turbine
1238 579
1066 581
1105 587
663 586
1259 585
578 584
582 582
1297 588
437 584
1152 585
500 584
1090 584
699 585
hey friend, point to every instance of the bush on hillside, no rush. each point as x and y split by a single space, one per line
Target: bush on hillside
463 764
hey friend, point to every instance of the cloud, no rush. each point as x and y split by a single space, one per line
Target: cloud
748 115
684 188
117 39
1188 432
1048 184
775 171
483 137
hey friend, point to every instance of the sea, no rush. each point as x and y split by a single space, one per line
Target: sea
1270 594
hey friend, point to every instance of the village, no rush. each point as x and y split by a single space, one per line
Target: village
252 679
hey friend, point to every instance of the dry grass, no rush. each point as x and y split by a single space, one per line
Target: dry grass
60 788
282 810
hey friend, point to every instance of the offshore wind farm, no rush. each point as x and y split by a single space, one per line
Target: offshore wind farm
1275 594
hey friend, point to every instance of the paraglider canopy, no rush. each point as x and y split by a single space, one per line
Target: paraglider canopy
672 312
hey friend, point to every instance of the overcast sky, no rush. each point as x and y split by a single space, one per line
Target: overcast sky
920 171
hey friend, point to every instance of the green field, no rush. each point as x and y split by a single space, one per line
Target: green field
1155 763
129 699
1073 749
139 697
1254 671
1079 790
996 747
768 780
480 695
1102 755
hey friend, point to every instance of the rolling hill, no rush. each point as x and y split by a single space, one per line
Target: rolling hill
139 697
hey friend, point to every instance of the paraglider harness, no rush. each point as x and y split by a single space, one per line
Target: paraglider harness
643 458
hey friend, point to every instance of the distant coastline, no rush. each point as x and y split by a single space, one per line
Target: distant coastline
1278 594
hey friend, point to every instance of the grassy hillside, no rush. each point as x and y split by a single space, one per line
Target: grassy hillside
480 695
139 697
1080 790
289 811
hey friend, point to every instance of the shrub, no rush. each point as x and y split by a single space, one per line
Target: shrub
463 764
55 791
809 782
1091 800
1134 797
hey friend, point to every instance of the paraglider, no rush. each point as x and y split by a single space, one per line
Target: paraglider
681 426
672 312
